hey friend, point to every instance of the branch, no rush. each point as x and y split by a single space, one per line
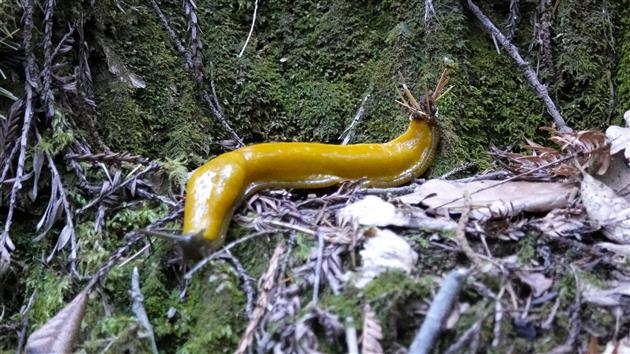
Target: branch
47 96
348 134
528 72
194 63
6 245
438 312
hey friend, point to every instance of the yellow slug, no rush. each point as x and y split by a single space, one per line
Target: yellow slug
215 189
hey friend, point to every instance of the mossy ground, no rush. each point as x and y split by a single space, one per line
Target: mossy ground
302 77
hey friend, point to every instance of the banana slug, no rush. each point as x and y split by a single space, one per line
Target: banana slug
216 188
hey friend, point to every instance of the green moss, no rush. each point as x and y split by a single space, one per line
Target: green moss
214 312
622 77
304 74
527 251
50 288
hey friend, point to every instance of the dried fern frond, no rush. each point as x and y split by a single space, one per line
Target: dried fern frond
591 146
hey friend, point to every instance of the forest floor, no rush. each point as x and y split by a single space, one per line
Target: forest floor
517 241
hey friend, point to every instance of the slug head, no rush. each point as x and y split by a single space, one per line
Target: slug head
196 247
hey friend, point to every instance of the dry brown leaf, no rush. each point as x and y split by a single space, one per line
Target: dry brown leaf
504 200
372 332
537 282
606 208
591 145
59 333
593 346
373 211
540 156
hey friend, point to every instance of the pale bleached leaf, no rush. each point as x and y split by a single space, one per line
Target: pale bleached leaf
619 138
382 252
38 163
606 297
136 81
64 236
618 176
491 199
372 332
51 214
618 347
621 250
537 282
374 211
119 69
604 207
563 223
60 332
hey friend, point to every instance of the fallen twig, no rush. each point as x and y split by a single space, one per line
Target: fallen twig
138 308
438 312
348 134
528 72
220 252
24 323
194 63
351 336
460 233
465 167
246 282
6 245
318 266
465 339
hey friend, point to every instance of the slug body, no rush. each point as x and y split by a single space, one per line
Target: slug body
215 189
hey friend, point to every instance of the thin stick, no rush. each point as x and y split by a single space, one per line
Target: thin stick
528 72
220 252
246 282
318 266
351 336
348 134
438 312
251 29
6 245
460 234
193 65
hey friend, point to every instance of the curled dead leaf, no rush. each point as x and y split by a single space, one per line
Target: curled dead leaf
606 208
537 282
491 199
